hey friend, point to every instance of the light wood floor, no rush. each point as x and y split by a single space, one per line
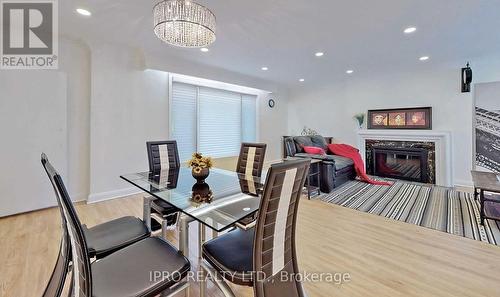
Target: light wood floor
382 256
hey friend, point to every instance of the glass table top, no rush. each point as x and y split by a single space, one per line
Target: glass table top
224 198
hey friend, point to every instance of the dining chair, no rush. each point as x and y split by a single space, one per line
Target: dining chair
259 256
163 157
250 163
251 159
109 237
146 268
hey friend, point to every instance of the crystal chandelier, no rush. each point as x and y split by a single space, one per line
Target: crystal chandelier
184 23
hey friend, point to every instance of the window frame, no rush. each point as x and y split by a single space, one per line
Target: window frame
199 82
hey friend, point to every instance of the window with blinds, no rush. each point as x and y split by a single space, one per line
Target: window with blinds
211 121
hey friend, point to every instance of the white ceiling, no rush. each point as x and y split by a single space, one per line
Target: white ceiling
284 34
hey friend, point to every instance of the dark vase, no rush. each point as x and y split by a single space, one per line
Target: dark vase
202 175
201 193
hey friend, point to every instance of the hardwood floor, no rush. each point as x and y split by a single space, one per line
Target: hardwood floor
383 257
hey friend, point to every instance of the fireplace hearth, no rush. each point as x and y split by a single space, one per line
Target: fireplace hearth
406 160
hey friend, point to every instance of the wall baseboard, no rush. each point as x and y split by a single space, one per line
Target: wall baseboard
103 196
78 197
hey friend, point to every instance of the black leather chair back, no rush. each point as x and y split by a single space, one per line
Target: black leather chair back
274 242
162 155
251 159
289 146
73 244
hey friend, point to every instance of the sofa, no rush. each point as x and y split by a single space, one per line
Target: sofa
334 170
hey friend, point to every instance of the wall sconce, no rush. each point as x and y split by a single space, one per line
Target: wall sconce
466 78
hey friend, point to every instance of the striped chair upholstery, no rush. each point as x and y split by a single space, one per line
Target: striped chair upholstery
250 163
268 249
251 159
163 157
274 241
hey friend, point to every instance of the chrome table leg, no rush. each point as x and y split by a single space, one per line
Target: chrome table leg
201 238
184 221
146 214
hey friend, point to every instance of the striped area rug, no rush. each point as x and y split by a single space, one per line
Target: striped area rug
434 207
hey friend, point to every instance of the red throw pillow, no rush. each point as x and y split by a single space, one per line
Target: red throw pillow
314 150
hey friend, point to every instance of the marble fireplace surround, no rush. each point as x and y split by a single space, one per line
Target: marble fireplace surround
441 139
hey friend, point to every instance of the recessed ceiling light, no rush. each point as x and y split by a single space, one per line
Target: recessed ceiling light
410 30
319 54
264 68
204 49
83 12
302 80
349 71
424 58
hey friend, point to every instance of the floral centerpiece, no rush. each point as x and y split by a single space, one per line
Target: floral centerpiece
201 194
200 166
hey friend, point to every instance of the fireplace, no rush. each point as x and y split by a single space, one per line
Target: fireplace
406 160
401 163
438 144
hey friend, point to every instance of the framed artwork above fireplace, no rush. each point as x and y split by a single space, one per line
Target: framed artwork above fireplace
400 118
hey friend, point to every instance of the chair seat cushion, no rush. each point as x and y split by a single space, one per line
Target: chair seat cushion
108 237
231 255
162 207
131 271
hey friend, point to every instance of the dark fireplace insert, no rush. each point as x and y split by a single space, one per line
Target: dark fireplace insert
401 163
408 160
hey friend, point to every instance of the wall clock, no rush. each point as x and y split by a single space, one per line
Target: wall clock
271 103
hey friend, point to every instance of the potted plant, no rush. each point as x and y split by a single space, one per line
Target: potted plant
360 118
200 166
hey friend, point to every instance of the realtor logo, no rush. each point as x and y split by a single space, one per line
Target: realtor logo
29 35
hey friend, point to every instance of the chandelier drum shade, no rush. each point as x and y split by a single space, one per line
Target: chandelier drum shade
184 23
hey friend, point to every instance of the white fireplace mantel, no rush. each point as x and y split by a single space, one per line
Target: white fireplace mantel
442 142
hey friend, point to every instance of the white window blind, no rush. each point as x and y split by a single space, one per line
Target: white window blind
248 118
219 122
211 121
183 118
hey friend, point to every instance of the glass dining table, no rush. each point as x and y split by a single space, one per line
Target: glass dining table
220 202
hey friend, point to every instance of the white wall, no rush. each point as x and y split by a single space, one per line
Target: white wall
32 121
74 61
273 124
45 110
93 117
129 106
330 108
